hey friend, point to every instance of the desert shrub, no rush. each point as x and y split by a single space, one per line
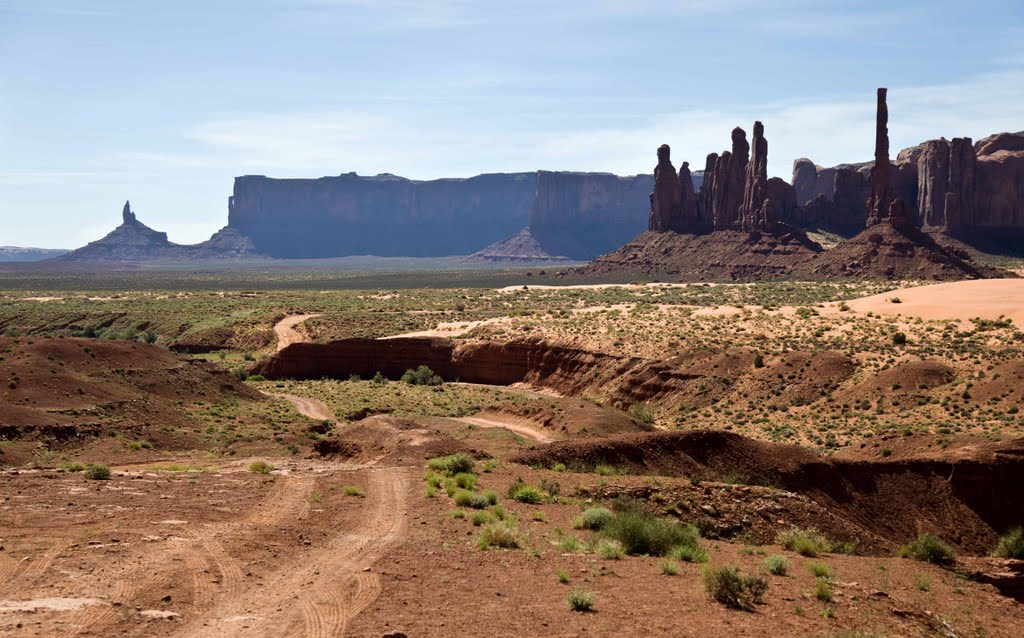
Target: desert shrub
823 591
644 533
452 464
479 518
465 498
465 480
642 412
818 570
240 373
525 493
899 339
261 467
929 548
257 377
595 518
97 472
669 568
609 549
379 379
689 554
500 534
727 586
580 600
776 565
758 360
569 544
421 376
1011 544
806 542
74 467
352 490
491 496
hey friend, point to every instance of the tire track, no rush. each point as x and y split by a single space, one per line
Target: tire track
191 558
25 574
318 593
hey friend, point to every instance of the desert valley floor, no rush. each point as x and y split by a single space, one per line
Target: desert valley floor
244 458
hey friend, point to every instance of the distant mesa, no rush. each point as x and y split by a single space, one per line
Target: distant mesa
9 254
578 215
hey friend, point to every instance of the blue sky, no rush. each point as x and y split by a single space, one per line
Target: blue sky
164 102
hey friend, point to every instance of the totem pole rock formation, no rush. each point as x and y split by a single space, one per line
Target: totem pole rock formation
667 198
688 212
127 215
721 194
881 207
754 211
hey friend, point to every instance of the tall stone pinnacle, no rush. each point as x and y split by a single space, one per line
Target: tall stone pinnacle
126 214
667 198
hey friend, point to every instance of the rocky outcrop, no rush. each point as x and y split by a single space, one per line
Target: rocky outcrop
127 216
667 198
887 251
522 247
1000 142
134 241
721 194
721 255
805 180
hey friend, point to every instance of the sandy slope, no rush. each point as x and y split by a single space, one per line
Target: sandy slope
963 300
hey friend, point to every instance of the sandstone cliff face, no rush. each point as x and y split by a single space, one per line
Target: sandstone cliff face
946 185
582 215
1000 195
383 215
578 215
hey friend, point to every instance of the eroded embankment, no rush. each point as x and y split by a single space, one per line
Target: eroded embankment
568 370
968 500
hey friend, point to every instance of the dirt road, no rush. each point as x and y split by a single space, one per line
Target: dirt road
317 594
285 330
312 408
519 428
284 555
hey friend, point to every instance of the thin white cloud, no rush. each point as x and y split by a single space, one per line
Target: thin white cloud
422 144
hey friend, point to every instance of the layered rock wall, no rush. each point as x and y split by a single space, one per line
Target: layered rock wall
582 215
383 215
